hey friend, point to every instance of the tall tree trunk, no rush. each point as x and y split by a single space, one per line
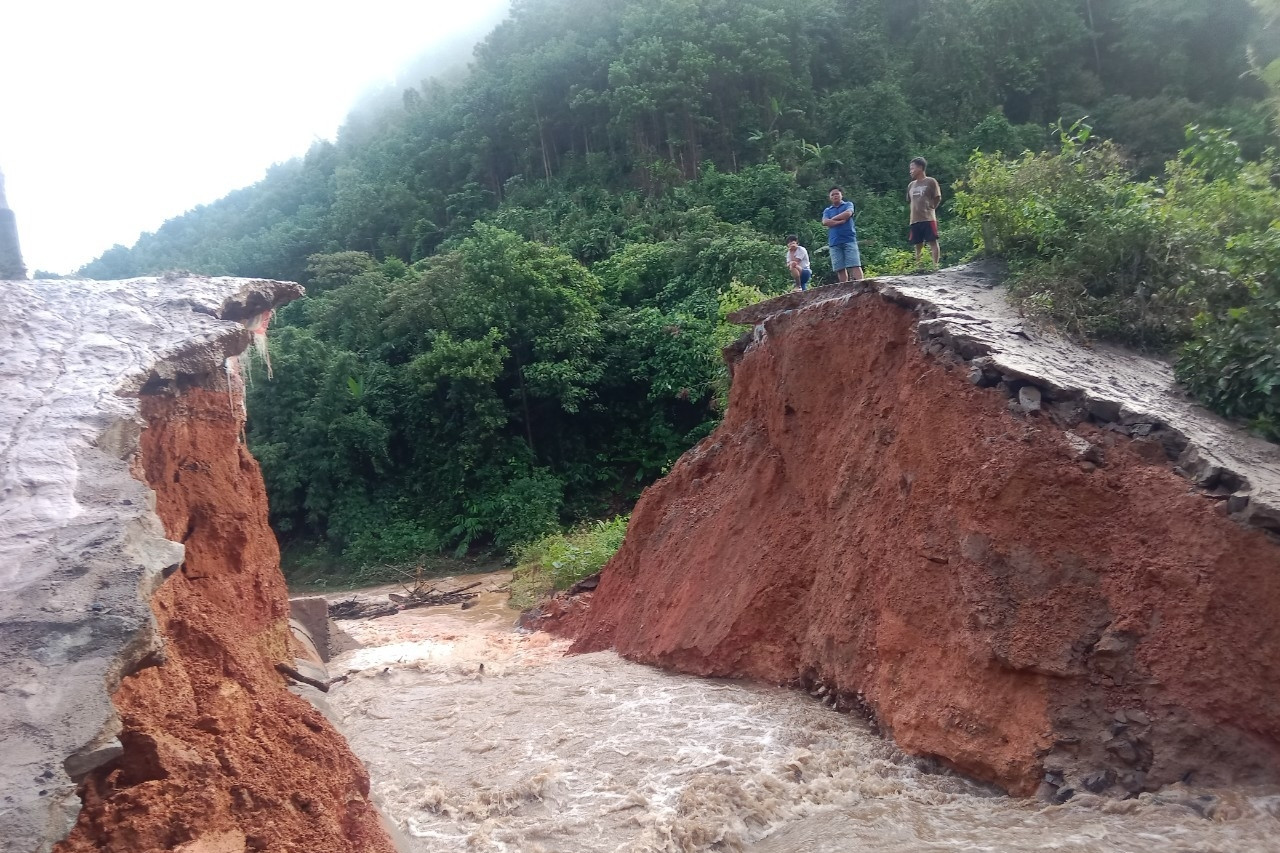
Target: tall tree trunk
524 402
542 139
1093 37
691 132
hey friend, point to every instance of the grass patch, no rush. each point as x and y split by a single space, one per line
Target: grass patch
560 560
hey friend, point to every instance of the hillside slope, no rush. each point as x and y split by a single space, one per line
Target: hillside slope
1027 588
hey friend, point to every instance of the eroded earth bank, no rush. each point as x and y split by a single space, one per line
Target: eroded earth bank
1032 560
143 610
1025 561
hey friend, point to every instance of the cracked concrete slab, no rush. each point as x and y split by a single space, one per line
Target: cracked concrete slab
81 550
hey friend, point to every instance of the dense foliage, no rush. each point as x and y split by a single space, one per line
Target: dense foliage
581 110
1189 258
518 282
493 389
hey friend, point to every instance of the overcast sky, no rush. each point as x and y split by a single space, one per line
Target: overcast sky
120 114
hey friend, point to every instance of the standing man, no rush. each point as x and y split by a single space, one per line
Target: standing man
924 195
798 263
843 240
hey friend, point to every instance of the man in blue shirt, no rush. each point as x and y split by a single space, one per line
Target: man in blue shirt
841 237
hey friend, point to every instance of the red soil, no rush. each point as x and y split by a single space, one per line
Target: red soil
866 518
218 754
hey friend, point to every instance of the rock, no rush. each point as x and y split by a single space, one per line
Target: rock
79 764
1134 783
1084 449
11 265
982 373
1103 410
1205 805
1123 749
1070 413
1098 781
1237 502
587 584
1029 398
1112 644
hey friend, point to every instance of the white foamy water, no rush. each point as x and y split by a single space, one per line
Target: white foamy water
542 753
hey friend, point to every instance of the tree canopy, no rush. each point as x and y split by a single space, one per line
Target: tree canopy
518 281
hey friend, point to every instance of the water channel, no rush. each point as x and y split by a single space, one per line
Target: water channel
479 738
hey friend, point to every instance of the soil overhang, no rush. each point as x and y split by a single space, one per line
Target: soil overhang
81 549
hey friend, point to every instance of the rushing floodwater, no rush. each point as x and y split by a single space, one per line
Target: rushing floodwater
542 753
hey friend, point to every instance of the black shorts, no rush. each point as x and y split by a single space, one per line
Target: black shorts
923 232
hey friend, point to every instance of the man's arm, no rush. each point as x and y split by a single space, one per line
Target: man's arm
840 217
936 193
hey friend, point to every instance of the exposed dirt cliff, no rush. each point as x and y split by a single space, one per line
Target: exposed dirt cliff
1025 588
143 610
216 750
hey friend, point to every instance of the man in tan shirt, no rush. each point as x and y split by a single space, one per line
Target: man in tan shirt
924 195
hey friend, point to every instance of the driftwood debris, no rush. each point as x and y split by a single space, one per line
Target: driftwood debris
433 597
419 596
291 672
354 608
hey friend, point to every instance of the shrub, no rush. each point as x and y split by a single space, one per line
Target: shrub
1093 250
560 560
1233 366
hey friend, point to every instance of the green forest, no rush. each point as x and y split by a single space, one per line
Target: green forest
518 280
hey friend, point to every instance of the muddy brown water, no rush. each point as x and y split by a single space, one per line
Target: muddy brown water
479 738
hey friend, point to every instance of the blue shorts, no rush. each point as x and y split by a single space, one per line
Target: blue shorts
805 275
845 256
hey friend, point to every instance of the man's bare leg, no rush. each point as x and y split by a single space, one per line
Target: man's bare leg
842 275
933 250
857 273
